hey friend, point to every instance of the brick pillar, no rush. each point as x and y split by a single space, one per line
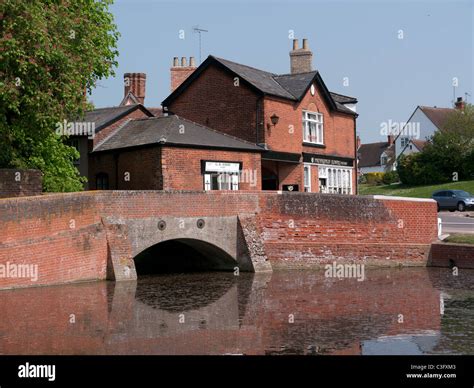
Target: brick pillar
181 71
301 58
135 83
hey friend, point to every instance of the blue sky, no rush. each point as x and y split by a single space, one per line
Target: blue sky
354 39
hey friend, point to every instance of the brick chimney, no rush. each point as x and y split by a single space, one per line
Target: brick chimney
181 70
358 141
390 139
135 83
301 58
459 104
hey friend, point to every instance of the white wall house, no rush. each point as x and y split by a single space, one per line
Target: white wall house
419 128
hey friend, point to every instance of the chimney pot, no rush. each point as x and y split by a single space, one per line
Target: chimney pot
180 73
301 60
459 104
295 44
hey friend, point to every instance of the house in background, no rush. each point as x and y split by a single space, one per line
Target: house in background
421 126
376 157
306 131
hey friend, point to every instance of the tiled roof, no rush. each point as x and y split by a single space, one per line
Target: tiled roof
171 130
288 86
437 116
420 144
103 117
369 154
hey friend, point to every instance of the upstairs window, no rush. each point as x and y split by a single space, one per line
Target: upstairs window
313 127
383 160
404 141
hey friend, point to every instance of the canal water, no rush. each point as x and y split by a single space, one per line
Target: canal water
392 311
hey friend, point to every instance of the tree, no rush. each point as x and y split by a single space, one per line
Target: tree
448 155
51 53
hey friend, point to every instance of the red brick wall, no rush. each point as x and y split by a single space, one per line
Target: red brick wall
20 182
287 135
447 255
214 101
168 168
182 167
179 75
302 230
64 234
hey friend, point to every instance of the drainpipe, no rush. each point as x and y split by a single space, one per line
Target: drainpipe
116 158
356 164
257 117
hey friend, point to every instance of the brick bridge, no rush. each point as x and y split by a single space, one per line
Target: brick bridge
99 235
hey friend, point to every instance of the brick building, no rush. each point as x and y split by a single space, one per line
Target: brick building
172 153
308 133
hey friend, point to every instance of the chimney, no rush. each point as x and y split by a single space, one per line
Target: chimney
390 139
135 83
459 104
301 58
358 141
181 71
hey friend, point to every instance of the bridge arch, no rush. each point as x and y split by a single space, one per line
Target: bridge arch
175 244
183 255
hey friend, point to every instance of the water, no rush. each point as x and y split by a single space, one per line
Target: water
394 311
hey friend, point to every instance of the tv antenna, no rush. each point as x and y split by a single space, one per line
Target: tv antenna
198 30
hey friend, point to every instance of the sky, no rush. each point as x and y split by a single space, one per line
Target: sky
392 56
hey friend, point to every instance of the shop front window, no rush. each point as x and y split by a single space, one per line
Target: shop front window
335 180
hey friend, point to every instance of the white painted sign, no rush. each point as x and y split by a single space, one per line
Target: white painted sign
222 167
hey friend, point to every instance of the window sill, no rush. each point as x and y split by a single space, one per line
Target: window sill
316 145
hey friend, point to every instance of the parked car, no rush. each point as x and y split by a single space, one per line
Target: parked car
453 200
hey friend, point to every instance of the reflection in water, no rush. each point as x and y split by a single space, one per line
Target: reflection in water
394 311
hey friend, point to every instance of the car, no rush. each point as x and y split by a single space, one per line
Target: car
453 200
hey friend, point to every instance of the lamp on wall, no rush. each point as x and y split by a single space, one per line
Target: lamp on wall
274 118
274 121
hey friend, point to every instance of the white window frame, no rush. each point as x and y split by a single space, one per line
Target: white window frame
225 181
307 178
338 179
318 121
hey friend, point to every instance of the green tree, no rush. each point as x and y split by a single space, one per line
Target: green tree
51 53
448 154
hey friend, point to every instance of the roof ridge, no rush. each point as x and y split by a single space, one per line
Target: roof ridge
343 95
290 74
113 107
377 142
241 64
434 107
